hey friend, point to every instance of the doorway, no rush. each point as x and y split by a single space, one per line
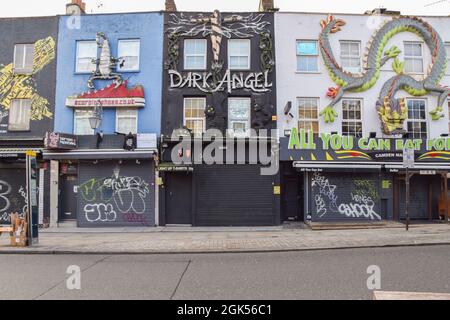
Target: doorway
178 198
292 199
68 198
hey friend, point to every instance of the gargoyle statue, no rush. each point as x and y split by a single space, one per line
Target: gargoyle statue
214 120
106 65
262 117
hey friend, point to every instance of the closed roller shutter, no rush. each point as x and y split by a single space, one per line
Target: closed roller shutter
114 195
13 197
234 195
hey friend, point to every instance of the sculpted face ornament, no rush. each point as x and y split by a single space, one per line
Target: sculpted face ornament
218 26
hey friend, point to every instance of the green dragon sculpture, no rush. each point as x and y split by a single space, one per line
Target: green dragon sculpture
392 112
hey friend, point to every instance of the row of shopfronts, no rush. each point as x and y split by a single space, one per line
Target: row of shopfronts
120 147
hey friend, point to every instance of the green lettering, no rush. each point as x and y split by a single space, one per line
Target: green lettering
325 140
294 141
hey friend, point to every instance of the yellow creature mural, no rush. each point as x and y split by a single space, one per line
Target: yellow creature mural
22 86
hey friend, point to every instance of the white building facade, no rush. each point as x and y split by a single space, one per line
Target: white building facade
362 180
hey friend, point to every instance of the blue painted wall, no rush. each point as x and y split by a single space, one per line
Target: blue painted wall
148 27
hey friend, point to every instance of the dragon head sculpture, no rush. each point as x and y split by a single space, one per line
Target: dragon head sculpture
332 25
393 113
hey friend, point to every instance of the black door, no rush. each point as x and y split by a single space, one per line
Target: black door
178 198
68 198
292 198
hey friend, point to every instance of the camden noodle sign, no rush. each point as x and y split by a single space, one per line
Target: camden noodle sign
257 82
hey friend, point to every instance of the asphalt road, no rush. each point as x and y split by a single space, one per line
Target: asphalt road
334 274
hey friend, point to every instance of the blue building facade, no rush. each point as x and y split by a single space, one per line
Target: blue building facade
103 149
145 27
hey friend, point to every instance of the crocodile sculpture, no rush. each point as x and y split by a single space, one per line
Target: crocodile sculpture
392 111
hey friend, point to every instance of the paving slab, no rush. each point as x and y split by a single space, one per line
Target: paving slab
221 240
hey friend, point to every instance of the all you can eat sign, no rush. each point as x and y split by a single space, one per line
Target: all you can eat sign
303 145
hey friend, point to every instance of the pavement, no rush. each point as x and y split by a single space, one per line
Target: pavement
223 240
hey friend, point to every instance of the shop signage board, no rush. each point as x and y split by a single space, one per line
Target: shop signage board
60 141
305 146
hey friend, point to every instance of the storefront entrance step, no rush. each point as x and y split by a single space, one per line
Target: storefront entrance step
385 295
354 225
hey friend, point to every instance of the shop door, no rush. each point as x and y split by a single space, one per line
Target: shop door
178 198
68 198
292 198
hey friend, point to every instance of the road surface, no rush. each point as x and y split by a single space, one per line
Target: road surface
331 274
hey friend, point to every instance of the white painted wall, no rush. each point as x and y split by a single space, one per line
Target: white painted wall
290 27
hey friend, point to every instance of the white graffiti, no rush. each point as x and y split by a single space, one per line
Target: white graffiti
5 202
5 190
362 206
3 115
23 193
325 188
129 193
320 206
100 212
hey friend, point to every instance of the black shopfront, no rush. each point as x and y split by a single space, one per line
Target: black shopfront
219 74
361 180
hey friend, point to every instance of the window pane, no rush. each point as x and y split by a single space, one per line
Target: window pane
23 58
86 52
307 64
195 46
239 109
447 49
129 51
307 48
19 52
126 120
193 62
82 125
19 115
239 47
239 116
194 115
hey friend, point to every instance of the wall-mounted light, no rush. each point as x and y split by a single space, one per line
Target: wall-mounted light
373 135
287 133
444 135
334 132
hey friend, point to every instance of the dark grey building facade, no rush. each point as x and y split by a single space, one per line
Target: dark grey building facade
27 105
219 74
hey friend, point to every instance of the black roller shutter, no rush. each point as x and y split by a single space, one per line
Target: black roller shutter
233 195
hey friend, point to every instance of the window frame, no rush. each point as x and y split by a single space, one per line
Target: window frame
28 125
305 120
194 118
405 57
185 55
297 55
341 56
75 117
448 112
138 40
118 117
447 45
77 71
249 54
408 120
230 120
23 69
352 120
